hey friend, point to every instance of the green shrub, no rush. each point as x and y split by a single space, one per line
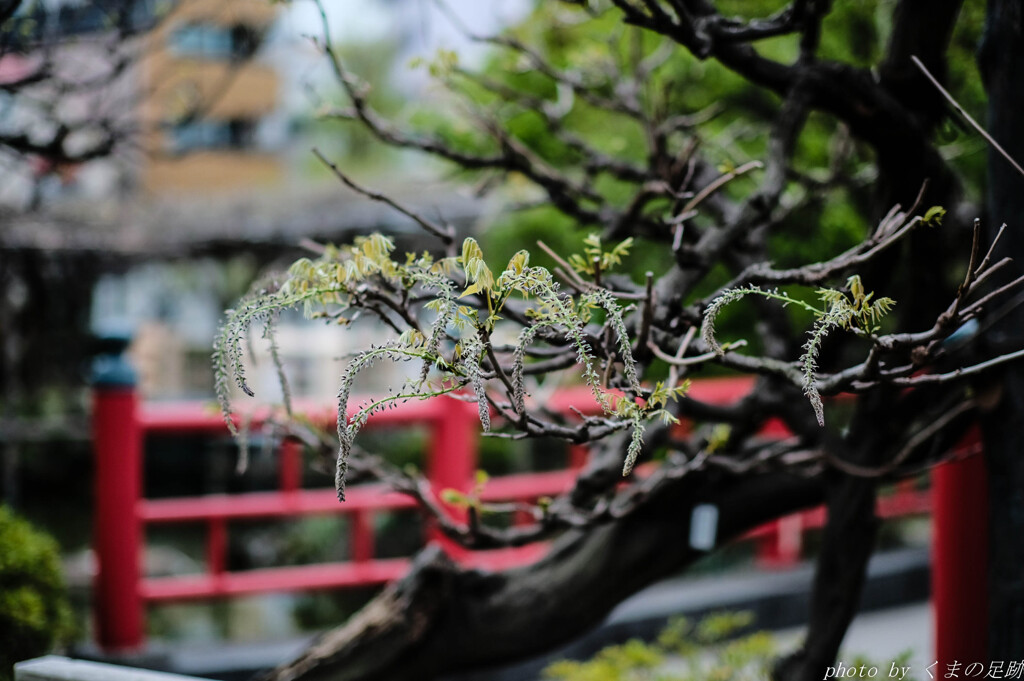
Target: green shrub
34 609
711 649
708 650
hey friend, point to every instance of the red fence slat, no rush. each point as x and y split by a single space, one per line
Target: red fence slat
451 460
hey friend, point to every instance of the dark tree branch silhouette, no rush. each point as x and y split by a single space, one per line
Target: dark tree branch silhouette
915 382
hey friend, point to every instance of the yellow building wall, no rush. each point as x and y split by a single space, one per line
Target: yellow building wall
215 171
220 13
217 90
211 89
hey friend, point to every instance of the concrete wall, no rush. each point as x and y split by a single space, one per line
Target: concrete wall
56 668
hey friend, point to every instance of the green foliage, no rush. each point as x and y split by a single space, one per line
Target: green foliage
734 132
595 259
709 650
855 311
442 66
591 49
452 348
34 610
585 127
934 216
512 230
471 499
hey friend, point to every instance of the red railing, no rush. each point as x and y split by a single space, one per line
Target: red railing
121 424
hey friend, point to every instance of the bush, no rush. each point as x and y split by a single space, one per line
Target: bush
34 610
709 650
718 647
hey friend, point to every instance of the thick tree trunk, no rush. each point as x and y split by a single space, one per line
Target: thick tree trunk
848 542
1002 65
443 619
922 28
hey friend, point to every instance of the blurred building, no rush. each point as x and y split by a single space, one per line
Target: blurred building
208 100
210 119
182 85
211 186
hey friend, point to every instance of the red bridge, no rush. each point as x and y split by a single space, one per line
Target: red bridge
121 424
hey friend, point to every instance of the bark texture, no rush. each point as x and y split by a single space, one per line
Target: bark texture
1002 65
441 618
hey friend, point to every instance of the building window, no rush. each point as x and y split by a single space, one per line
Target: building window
200 40
245 40
205 134
241 133
214 42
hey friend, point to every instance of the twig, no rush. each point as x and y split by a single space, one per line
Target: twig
989 271
567 268
975 247
918 439
673 369
571 281
312 246
991 248
647 311
999 291
718 182
697 359
445 235
958 373
960 110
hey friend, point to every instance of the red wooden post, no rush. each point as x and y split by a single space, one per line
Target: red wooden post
452 458
959 561
290 465
578 455
216 546
361 536
117 443
781 546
